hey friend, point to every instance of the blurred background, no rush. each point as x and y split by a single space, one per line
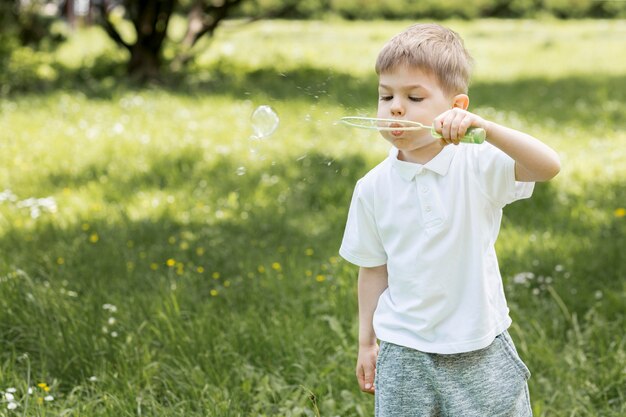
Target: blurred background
174 187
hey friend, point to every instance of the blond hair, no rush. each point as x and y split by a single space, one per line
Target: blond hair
431 48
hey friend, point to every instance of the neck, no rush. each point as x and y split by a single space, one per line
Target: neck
421 155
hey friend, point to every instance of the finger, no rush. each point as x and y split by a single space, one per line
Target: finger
455 124
360 376
369 379
439 122
461 122
465 124
445 127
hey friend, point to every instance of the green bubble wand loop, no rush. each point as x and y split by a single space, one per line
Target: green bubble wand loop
472 135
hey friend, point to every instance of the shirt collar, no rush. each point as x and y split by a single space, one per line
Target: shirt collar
408 170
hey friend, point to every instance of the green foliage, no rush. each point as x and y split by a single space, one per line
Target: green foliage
170 271
438 9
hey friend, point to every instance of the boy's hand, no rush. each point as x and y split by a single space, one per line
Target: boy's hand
453 124
366 367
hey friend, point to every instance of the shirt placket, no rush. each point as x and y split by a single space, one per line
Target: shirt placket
431 212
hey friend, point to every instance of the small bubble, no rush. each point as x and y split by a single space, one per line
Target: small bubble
264 121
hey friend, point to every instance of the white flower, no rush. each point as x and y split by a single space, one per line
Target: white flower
30 390
113 334
111 321
9 396
523 277
12 405
109 307
48 398
11 390
93 378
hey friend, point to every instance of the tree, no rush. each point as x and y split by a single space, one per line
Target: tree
150 19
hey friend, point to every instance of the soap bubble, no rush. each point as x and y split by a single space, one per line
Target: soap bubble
264 121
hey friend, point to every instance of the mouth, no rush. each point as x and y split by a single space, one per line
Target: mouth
396 133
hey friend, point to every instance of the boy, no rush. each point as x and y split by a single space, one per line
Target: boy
422 227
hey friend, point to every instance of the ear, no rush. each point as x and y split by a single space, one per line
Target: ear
461 101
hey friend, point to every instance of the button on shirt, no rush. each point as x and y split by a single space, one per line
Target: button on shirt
435 226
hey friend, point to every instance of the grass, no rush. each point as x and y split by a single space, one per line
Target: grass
178 274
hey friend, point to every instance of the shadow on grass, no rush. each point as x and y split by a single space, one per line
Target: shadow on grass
574 100
302 203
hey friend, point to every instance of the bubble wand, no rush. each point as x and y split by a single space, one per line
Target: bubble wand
472 135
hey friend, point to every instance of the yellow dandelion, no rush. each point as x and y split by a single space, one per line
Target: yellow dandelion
620 212
320 278
39 400
154 266
94 238
276 266
309 252
171 240
226 283
85 227
184 246
333 260
214 293
200 251
44 386
216 275
170 262
130 265
261 269
308 273
60 261
200 269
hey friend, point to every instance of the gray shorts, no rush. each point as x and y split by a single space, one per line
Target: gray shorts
490 382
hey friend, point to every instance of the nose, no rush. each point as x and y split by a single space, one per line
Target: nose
396 107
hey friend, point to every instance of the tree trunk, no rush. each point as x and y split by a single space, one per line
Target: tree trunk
150 18
144 63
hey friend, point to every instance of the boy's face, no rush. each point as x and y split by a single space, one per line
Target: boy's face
407 93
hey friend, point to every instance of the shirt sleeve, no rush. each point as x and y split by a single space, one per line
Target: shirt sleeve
361 243
496 176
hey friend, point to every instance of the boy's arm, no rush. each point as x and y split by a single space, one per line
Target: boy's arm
372 283
534 160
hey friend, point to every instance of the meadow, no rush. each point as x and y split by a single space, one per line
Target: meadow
152 265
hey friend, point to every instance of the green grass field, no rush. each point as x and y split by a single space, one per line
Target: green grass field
151 265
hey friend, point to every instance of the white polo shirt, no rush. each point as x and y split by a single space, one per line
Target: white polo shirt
435 226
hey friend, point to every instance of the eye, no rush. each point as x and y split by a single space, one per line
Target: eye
386 98
416 99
